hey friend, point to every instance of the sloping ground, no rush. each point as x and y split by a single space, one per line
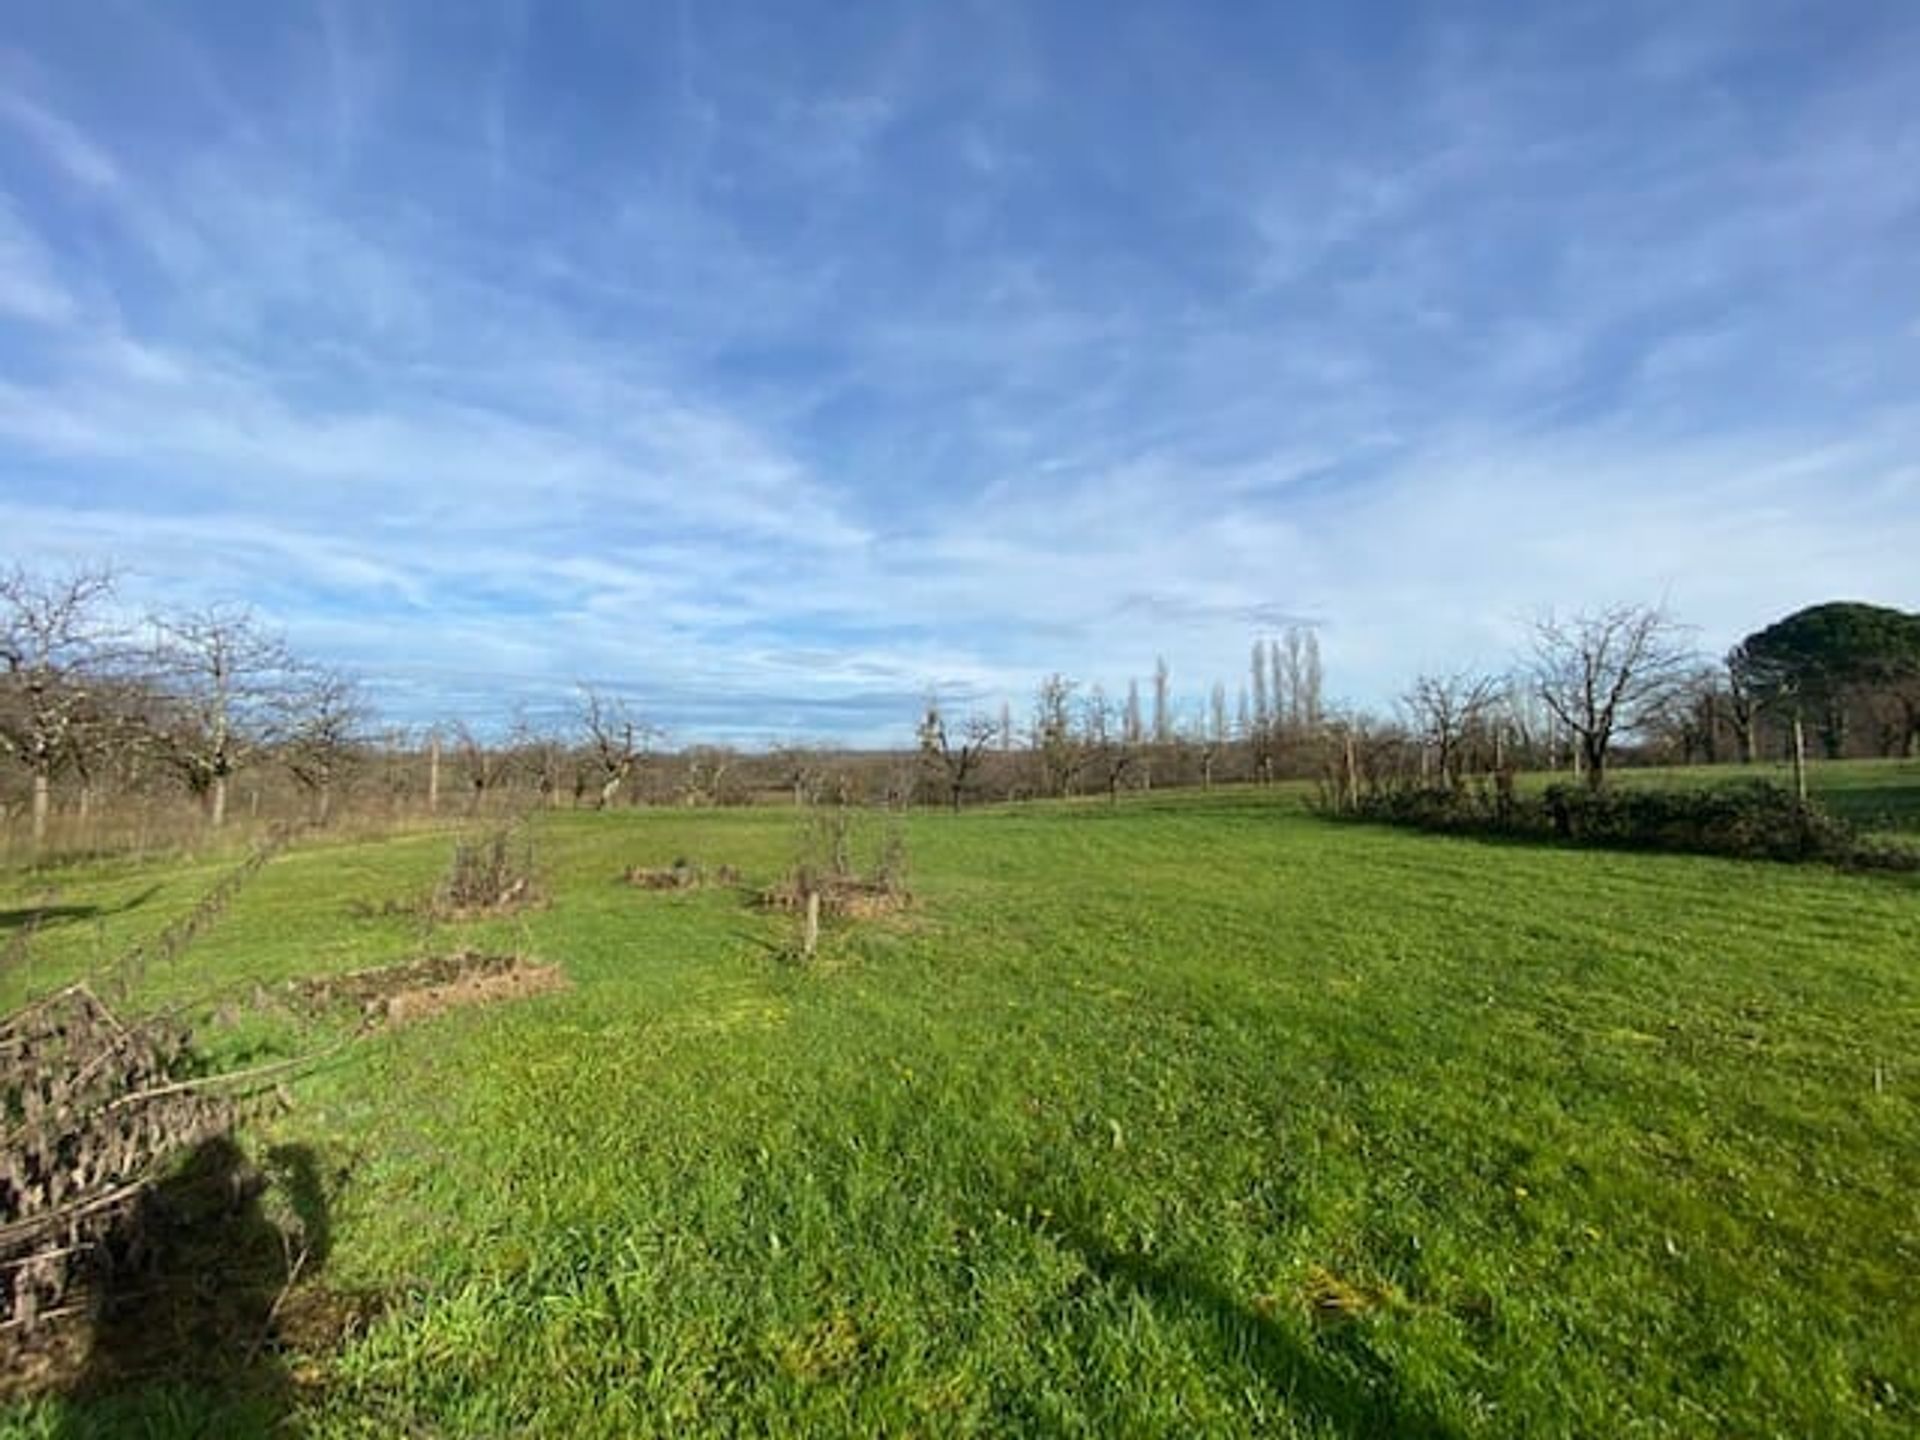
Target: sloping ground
1193 1117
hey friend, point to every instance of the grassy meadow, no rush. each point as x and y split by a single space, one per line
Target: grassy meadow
1196 1115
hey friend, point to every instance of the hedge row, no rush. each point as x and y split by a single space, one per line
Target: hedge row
1754 820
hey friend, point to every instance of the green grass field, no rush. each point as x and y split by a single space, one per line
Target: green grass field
1194 1116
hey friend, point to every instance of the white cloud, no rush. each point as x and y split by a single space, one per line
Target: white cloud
60 141
823 391
29 288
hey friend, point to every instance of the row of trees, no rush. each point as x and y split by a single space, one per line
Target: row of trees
194 695
1078 739
103 703
1630 674
1591 689
95 702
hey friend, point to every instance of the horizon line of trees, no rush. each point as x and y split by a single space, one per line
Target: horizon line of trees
97 710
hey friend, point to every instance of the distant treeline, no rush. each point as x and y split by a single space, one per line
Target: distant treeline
118 731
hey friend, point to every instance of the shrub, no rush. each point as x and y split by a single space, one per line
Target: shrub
1755 821
489 874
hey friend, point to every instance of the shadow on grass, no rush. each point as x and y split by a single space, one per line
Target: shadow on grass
39 917
195 1302
1889 807
1335 1379
1894 858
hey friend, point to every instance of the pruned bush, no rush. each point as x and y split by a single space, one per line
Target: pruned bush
1755 821
489 875
824 866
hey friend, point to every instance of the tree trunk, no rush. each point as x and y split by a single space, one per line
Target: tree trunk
1833 729
1743 737
324 805
217 802
1799 758
433 774
1596 758
42 804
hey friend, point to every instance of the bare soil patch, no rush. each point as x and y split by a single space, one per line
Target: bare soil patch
680 875
851 896
402 994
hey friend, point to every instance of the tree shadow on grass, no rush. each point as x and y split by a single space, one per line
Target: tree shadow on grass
39 917
1336 1379
195 1301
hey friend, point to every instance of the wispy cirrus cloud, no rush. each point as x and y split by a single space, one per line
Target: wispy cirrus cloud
785 364
64 144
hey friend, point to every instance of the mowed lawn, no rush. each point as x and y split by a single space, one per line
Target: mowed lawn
1192 1116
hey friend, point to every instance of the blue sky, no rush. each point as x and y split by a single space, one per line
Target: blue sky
775 363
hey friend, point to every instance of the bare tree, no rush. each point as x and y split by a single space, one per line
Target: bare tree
616 742
955 757
1743 703
1262 703
533 750
1214 733
1056 741
1448 712
708 767
482 764
1106 738
319 725
52 635
800 770
1312 681
219 672
1162 703
1283 665
1607 672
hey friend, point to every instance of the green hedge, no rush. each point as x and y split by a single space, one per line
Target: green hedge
1753 820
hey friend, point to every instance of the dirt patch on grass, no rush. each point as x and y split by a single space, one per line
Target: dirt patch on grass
681 875
402 994
852 897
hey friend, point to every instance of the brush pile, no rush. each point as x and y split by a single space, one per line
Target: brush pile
94 1110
